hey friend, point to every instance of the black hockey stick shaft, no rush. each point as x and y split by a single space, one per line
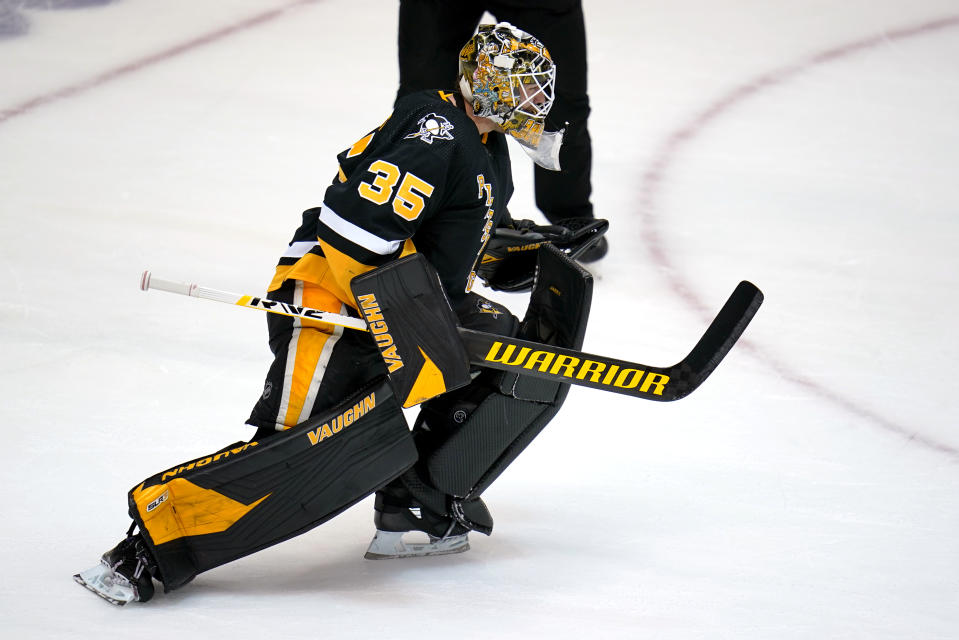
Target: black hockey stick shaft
663 384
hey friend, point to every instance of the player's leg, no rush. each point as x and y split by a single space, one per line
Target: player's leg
467 437
559 24
314 366
336 450
430 35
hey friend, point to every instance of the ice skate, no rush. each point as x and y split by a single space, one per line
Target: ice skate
125 573
398 544
401 524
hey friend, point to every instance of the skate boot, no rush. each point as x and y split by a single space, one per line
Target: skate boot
397 514
125 573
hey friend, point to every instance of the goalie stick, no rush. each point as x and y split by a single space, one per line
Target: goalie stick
147 282
663 384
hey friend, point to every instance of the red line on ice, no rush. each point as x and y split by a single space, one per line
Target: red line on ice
143 63
672 146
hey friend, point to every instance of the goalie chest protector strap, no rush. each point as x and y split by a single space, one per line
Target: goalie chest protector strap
252 495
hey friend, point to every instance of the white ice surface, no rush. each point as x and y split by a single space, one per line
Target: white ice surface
809 489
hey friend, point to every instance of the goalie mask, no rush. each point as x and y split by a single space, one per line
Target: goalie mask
507 75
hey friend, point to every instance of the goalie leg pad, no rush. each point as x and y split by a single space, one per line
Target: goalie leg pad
215 509
467 438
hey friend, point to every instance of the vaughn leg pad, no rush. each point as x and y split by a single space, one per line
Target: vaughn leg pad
414 327
467 438
215 509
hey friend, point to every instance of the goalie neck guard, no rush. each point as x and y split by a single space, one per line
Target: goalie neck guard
508 76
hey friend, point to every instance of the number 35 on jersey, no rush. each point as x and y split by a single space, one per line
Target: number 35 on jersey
409 199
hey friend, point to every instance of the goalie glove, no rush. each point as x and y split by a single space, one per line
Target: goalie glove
509 261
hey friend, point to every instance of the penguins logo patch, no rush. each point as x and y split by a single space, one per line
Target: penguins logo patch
433 127
485 306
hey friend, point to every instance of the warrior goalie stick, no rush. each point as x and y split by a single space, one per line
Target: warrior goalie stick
663 384
147 282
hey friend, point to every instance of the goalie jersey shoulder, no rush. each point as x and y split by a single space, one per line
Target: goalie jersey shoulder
425 131
423 181
425 159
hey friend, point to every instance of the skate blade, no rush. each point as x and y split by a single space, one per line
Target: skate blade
390 544
110 586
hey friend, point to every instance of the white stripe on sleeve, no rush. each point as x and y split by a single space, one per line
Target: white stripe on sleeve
299 249
357 235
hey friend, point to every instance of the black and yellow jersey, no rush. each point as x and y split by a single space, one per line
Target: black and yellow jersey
425 181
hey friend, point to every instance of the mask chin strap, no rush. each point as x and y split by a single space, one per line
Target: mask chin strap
546 153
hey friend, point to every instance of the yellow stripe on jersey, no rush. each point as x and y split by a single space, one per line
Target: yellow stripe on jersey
309 268
408 248
332 275
342 269
359 146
